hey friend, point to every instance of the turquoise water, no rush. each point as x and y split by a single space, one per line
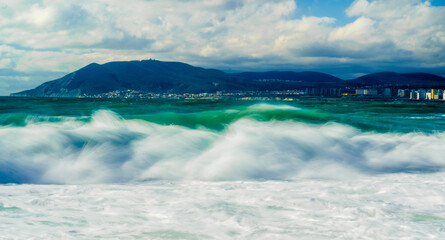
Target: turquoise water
122 140
403 117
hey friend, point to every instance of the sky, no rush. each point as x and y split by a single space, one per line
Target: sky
42 40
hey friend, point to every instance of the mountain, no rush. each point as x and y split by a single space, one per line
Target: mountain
398 79
147 75
170 77
175 77
288 80
302 77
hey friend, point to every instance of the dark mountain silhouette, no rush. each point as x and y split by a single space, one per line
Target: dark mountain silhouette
148 75
288 80
175 77
170 77
398 79
303 77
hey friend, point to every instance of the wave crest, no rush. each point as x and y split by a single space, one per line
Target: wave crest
109 149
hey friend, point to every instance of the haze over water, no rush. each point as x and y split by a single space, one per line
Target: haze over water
201 169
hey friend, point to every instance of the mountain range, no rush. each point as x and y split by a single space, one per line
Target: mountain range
176 77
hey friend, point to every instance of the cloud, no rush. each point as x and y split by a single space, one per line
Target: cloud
362 31
412 25
38 16
125 42
14 81
250 28
62 36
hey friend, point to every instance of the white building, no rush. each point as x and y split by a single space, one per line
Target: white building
414 95
403 93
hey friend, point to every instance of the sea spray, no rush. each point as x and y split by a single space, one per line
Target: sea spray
389 206
111 149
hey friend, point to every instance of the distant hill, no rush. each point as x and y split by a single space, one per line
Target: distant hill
399 79
303 77
148 75
288 80
169 77
175 77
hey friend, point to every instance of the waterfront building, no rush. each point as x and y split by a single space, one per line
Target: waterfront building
403 93
435 94
440 93
360 92
414 94
366 92
422 94
387 92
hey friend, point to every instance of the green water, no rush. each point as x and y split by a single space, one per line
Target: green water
403 117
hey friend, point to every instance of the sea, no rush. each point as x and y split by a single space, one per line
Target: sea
221 169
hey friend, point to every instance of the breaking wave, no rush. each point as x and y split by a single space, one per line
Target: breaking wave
107 148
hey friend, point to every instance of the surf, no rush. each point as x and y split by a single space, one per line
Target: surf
107 148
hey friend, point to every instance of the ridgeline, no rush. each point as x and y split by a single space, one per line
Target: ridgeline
179 78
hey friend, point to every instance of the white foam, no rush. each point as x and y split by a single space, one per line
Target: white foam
393 206
109 149
266 107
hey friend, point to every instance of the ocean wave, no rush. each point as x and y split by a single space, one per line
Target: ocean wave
107 148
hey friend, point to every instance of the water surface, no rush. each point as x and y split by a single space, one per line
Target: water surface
225 169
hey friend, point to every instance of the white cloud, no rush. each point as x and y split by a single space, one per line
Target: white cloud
361 31
38 16
411 25
5 63
249 28
208 51
384 9
357 8
65 35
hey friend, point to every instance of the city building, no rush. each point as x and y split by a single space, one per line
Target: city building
366 92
